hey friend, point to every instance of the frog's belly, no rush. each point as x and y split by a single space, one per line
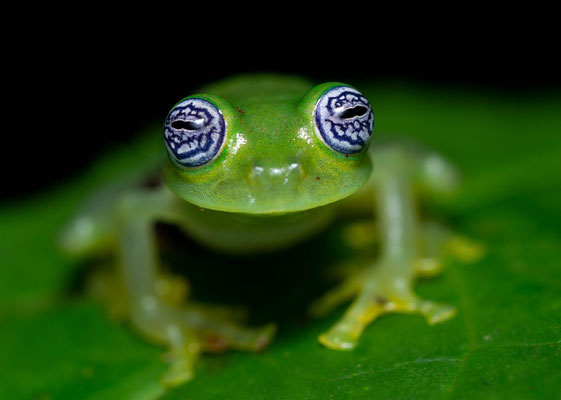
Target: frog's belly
243 233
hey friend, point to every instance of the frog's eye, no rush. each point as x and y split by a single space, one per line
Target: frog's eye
343 120
194 132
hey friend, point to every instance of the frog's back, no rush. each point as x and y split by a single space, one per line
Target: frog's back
253 88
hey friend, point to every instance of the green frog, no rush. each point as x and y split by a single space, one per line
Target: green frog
260 163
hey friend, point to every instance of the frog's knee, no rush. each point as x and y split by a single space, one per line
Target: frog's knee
172 289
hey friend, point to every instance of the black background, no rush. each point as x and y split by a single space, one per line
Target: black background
74 100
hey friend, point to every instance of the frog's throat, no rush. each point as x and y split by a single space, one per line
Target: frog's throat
242 233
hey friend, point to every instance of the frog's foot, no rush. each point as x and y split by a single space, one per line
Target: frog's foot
103 285
193 329
439 242
187 344
380 289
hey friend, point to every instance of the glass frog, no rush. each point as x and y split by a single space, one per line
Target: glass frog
260 163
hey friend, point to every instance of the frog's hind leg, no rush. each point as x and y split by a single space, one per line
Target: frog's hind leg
438 243
186 329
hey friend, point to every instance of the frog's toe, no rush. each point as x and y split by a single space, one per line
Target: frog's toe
236 337
216 332
438 241
338 338
181 359
427 267
435 313
334 297
465 249
186 344
345 333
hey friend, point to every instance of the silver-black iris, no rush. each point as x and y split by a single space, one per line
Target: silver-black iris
194 132
343 119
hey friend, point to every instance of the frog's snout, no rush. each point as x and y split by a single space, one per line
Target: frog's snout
265 175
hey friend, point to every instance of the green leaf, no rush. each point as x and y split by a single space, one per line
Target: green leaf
505 341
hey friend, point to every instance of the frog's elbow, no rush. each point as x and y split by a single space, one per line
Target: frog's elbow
84 236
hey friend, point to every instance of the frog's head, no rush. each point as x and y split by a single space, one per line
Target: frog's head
269 154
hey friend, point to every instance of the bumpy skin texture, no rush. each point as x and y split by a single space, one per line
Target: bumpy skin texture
276 179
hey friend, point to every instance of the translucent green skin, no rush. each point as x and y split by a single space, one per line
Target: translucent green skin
273 184
272 164
272 161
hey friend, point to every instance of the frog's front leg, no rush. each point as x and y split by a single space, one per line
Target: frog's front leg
188 329
386 285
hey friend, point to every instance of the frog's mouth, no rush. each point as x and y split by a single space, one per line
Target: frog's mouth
264 187
286 201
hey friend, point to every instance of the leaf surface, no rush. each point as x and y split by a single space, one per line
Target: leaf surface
505 341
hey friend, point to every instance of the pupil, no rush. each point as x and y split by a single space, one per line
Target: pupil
357 111
187 125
